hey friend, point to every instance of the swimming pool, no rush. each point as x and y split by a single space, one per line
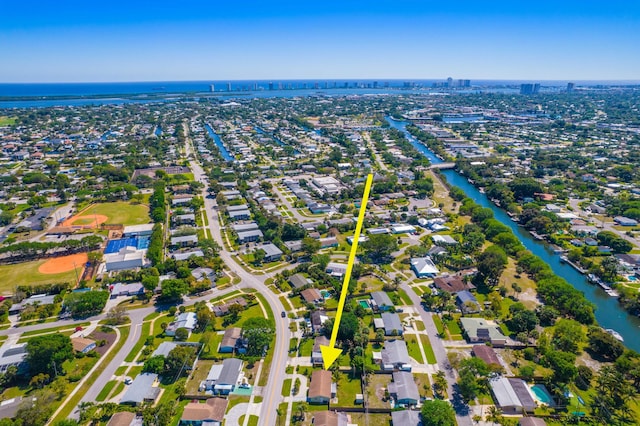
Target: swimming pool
364 304
542 395
325 294
632 278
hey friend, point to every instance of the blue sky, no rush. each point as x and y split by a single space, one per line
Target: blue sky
46 41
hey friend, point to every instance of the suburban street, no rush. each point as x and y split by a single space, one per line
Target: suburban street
271 393
463 416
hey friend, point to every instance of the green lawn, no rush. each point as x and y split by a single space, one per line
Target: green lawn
404 297
120 212
104 393
413 347
428 350
348 387
286 387
306 347
438 322
26 274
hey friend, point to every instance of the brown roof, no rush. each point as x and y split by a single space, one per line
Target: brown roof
320 340
310 294
231 335
486 354
213 409
451 284
123 418
325 418
80 343
320 385
532 421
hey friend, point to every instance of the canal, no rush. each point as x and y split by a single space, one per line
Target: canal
216 139
608 312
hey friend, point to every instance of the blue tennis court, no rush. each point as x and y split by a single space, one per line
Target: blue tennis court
114 246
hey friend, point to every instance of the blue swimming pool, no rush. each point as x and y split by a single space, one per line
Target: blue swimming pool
364 304
542 395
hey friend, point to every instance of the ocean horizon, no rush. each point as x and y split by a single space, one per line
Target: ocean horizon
15 90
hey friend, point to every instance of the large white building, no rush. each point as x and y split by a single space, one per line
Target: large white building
126 258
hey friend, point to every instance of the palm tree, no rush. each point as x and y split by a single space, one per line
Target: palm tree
303 408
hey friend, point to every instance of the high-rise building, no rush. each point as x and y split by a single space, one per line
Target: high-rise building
271 85
570 87
212 88
529 89
450 83
228 86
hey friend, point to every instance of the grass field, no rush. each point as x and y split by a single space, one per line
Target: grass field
7 121
428 350
120 212
27 274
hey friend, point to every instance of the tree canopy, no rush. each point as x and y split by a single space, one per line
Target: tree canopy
45 354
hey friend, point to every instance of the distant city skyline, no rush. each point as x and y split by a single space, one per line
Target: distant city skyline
76 41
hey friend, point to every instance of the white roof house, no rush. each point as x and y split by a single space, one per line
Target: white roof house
424 267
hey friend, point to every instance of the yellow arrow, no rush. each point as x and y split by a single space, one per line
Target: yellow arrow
331 353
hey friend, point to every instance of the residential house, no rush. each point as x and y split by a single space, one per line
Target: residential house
131 289
316 353
330 418
380 301
83 345
185 320
512 395
293 246
320 387
14 355
211 413
625 221
125 418
403 389
239 215
403 229
531 421
443 240
223 378
452 284
271 252
394 356
232 341
185 219
479 330
487 354
406 418
223 309
144 389
312 295
187 254
392 324
467 302
184 241
298 281
318 319
336 269
424 267
249 236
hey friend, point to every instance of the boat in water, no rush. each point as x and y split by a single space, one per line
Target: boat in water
615 334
